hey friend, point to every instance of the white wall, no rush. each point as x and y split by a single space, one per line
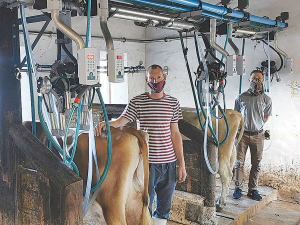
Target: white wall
281 163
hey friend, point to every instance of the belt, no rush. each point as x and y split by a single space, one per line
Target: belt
252 132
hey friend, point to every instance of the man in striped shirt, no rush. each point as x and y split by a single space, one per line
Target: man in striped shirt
158 114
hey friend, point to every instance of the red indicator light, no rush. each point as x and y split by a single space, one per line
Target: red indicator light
90 56
233 60
119 57
221 82
244 60
291 61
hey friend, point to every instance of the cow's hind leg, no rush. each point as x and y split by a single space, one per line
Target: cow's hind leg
226 176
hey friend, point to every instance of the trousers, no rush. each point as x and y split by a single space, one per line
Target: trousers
162 181
256 145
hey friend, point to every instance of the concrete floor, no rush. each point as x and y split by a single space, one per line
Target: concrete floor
277 213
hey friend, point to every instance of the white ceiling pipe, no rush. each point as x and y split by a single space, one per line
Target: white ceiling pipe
103 13
245 31
140 14
129 17
67 30
278 49
155 18
233 46
213 31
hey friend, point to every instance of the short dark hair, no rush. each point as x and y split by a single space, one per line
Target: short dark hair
256 71
154 66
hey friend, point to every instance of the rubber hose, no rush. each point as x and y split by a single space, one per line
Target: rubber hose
46 130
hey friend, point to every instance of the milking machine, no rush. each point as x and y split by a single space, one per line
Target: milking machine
69 88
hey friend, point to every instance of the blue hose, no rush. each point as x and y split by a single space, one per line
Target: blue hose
109 145
191 79
28 57
76 134
88 26
46 130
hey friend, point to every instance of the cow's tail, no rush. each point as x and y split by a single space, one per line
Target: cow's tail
146 218
241 129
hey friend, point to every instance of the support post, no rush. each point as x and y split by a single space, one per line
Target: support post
10 111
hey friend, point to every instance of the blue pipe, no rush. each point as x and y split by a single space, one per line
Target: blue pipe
218 17
188 3
162 5
220 10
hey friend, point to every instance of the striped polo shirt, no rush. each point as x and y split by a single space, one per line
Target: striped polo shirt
155 116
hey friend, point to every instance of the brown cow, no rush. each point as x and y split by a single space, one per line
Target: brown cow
227 152
123 196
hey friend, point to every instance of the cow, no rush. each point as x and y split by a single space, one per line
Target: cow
123 196
227 152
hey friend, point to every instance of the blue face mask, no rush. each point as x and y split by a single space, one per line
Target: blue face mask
157 87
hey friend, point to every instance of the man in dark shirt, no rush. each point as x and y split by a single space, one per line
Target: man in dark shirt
256 107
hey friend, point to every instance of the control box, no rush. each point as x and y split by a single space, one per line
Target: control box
115 66
289 65
241 65
231 65
87 66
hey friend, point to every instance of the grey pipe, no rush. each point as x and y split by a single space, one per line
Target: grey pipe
144 17
213 32
233 46
278 49
67 30
141 14
103 24
180 25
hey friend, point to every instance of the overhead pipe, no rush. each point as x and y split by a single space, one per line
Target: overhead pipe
144 17
213 32
103 12
140 14
233 46
156 4
67 30
278 49
218 17
219 10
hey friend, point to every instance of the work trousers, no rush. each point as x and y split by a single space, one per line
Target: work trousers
256 145
162 181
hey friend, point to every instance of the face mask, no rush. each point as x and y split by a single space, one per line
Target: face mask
255 87
157 87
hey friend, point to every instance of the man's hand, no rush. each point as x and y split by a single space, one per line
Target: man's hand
99 128
181 174
118 123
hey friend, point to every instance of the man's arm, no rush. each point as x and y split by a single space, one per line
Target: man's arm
178 148
117 123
